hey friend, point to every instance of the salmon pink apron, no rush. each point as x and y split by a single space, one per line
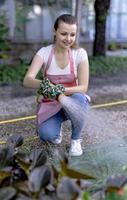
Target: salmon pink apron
49 107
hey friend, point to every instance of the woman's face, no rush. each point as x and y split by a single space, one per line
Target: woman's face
65 35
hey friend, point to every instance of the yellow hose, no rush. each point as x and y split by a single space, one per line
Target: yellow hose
34 116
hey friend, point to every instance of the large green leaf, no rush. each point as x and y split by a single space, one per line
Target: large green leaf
68 189
67 171
7 193
37 158
75 174
39 178
6 157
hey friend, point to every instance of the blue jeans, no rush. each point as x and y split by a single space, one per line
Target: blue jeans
49 130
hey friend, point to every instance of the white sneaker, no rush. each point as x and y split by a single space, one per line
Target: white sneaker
75 149
57 140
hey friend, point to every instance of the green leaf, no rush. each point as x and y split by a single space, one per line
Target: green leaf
6 157
7 193
62 157
39 178
55 172
73 173
15 141
115 182
37 158
66 171
85 196
23 197
46 197
4 175
114 196
68 189
22 187
24 164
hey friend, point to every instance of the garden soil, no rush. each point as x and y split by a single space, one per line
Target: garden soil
102 124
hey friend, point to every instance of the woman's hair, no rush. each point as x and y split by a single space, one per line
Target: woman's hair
68 19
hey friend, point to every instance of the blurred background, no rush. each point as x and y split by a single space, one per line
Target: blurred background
26 25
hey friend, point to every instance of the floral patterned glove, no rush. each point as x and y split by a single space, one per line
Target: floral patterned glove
59 89
48 90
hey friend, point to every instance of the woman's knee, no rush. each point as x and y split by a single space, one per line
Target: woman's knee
80 97
46 133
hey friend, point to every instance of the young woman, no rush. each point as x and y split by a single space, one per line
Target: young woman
62 63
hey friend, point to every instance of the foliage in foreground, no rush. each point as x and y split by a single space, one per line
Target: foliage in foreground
26 176
99 66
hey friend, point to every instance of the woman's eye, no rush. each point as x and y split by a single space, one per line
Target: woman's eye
63 34
73 35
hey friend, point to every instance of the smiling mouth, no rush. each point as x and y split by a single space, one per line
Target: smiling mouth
67 44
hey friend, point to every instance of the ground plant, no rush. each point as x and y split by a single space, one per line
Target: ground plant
29 176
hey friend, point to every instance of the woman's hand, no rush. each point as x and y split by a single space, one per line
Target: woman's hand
48 90
60 97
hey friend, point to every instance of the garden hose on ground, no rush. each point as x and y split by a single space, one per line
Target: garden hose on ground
34 116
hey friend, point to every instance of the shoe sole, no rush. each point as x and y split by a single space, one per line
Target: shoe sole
57 142
76 154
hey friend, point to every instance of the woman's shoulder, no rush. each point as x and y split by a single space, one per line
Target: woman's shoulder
79 51
44 51
45 48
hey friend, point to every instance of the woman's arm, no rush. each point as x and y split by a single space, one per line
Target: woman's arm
83 79
30 77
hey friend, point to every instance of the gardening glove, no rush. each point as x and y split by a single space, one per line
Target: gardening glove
59 89
48 90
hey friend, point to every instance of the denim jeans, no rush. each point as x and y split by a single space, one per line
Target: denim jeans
49 130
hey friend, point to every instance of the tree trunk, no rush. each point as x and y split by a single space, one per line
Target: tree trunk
78 14
101 11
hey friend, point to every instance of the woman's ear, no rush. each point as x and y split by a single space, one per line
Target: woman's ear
54 32
54 35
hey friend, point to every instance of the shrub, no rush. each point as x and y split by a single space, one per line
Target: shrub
100 66
29 176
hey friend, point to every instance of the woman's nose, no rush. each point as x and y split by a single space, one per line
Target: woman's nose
68 37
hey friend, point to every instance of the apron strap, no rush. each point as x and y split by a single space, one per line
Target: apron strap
71 62
49 60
